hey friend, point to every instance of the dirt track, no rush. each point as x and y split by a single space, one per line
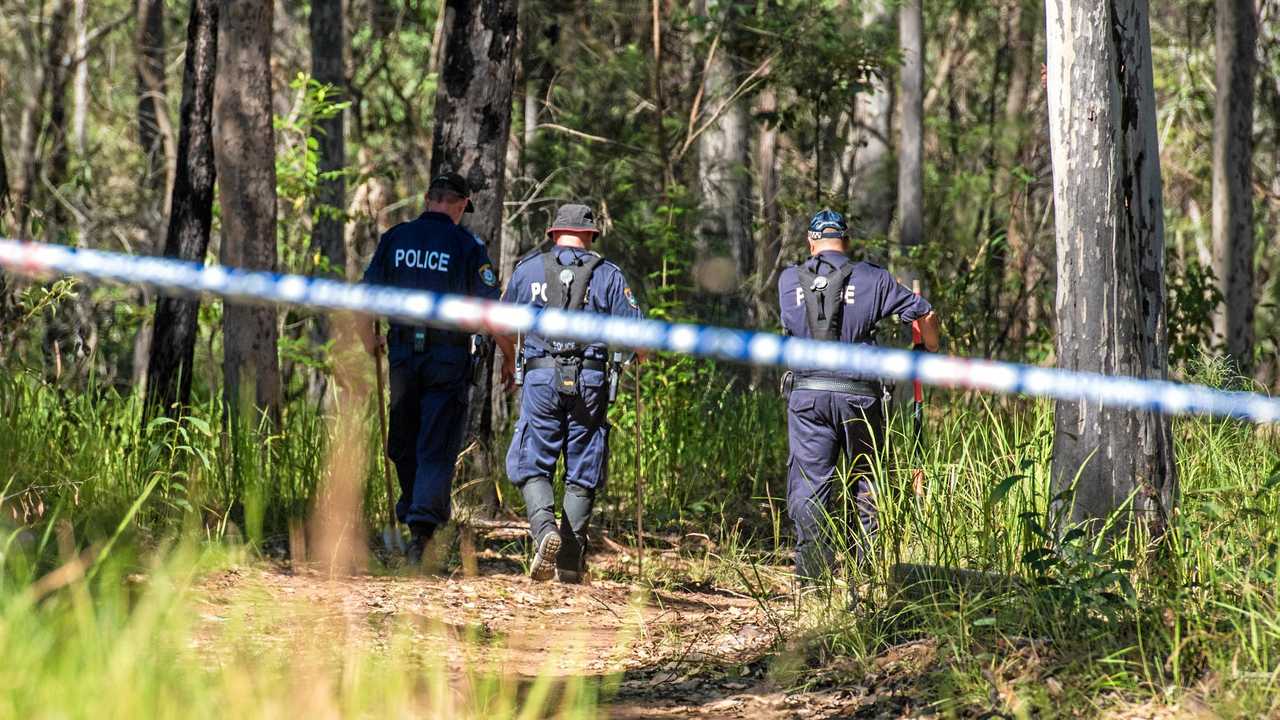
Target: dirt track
690 653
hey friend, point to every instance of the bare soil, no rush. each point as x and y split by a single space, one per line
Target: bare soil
691 652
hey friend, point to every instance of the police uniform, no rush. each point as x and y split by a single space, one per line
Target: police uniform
835 415
430 368
564 405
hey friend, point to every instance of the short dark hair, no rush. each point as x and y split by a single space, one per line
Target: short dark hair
443 194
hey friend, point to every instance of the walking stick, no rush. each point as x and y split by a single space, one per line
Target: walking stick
917 409
639 484
391 539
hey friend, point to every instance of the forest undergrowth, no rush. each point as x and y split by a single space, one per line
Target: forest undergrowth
110 527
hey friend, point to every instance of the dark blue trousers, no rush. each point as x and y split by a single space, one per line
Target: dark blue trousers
825 428
428 422
552 424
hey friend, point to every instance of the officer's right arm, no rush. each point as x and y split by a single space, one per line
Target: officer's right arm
930 331
900 301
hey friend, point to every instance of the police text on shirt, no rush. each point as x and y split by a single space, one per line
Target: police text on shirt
849 295
425 260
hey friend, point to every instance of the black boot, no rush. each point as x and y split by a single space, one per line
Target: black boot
422 533
571 563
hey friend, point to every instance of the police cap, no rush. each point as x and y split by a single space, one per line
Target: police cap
828 224
454 182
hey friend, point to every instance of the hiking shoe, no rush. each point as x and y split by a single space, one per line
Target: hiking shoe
571 563
543 566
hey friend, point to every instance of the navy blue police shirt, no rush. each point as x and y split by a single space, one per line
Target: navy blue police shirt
608 294
433 253
871 296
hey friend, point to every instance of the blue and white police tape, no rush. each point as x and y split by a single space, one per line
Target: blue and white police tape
755 348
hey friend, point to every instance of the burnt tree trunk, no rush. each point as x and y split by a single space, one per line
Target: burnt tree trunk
4 177
911 137
328 47
1236 47
472 121
151 90
244 148
169 370
328 43
1110 237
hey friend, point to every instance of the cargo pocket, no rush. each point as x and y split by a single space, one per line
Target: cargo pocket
515 453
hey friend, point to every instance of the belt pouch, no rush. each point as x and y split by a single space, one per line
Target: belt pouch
567 375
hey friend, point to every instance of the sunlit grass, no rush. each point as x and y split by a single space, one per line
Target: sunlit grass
108 525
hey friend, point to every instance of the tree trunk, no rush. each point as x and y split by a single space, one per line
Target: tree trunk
244 147
4 178
170 368
80 92
1110 232
911 141
151 90
870 176
29 132
472 123
328 48
724 151
770 243
328 42
1236 47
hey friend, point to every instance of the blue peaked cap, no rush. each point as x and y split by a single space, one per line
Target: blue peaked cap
829 224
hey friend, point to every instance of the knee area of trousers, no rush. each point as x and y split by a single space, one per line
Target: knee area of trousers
578 491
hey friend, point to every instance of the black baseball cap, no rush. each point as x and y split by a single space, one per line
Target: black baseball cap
574 218
456 183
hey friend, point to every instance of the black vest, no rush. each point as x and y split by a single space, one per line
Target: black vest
824 299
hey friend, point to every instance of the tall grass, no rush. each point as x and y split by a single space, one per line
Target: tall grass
1048 622
980 564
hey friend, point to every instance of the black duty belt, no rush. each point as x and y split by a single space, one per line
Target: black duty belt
549 361
404 336
853 387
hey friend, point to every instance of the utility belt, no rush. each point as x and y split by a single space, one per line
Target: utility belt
867 388
567 369
421 339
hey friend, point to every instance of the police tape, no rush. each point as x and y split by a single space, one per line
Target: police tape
755 348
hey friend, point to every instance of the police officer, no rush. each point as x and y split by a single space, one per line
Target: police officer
565 402
837 415
430 368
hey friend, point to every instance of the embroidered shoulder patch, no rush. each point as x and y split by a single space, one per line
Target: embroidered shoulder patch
488 276
631 298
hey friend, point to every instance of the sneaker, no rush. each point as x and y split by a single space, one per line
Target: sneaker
544 560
